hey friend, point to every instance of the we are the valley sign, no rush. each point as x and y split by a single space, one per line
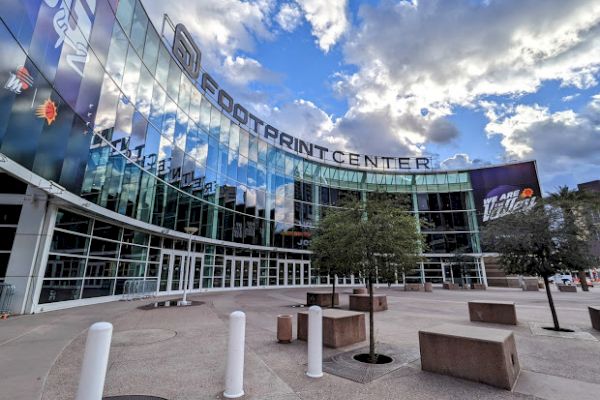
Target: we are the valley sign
188 55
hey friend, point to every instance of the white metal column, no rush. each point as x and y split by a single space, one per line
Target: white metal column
483 273
28 258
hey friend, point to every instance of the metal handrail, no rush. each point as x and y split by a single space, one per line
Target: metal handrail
7 291
134 289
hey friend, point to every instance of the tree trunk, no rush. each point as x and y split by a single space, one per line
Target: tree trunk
333 292
372 357
551 303
583 280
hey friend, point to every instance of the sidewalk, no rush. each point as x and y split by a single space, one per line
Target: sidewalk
179 353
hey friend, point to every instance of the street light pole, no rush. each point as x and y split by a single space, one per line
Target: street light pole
186 276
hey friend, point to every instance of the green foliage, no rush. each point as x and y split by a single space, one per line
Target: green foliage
389 239
378 237
544 240
373 238
525 242
332 244
576 208
538 242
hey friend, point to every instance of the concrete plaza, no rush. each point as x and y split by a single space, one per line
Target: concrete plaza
179 353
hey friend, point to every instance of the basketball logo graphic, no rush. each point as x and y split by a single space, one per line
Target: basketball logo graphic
47 111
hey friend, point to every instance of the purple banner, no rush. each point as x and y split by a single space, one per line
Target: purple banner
499 191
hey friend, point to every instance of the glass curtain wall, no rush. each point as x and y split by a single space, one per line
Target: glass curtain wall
156 149
110 116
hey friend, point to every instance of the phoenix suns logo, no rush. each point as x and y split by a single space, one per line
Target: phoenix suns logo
47 111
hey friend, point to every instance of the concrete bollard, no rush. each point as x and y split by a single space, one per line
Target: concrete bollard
315 342
234 378
95 362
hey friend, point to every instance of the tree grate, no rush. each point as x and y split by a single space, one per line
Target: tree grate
133 397
168 304
345 366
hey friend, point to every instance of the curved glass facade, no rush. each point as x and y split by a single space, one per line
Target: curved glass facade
95 101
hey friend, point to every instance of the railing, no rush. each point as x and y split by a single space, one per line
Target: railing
135 289
6 293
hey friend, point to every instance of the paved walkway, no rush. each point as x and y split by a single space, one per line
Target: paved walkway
179 353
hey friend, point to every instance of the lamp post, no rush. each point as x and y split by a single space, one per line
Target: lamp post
186 276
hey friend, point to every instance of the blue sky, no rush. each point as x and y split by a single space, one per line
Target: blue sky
468 82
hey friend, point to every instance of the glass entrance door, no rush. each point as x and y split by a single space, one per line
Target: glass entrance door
289 273
294 273
297 274
172 271
237 274
247 275
255 272
177 272
164 272
241 272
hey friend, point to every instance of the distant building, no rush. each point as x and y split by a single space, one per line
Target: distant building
593 186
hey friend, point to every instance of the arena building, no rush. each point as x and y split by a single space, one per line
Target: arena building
121 160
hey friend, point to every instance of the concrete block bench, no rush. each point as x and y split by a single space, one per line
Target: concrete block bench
428 286
478 286
531 285
499 312
567 288
340 327
360 302
413 287
361 290
451 286
595 317
541 285
483 355
321 299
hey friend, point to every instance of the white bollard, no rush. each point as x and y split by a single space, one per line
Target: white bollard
234 378
315 342
95 361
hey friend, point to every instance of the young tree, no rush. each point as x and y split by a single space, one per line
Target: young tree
531 243
387 235
331 245
377 237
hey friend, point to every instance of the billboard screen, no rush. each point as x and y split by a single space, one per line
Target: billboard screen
503 190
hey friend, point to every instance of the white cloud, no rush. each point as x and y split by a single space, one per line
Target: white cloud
303 119
570 97
288 17
221 27
440 54
461 161
328 19
242 70
410 56
565 143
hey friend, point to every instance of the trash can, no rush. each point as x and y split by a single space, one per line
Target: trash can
284 328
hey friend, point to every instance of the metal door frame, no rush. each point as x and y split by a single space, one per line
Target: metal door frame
184 257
